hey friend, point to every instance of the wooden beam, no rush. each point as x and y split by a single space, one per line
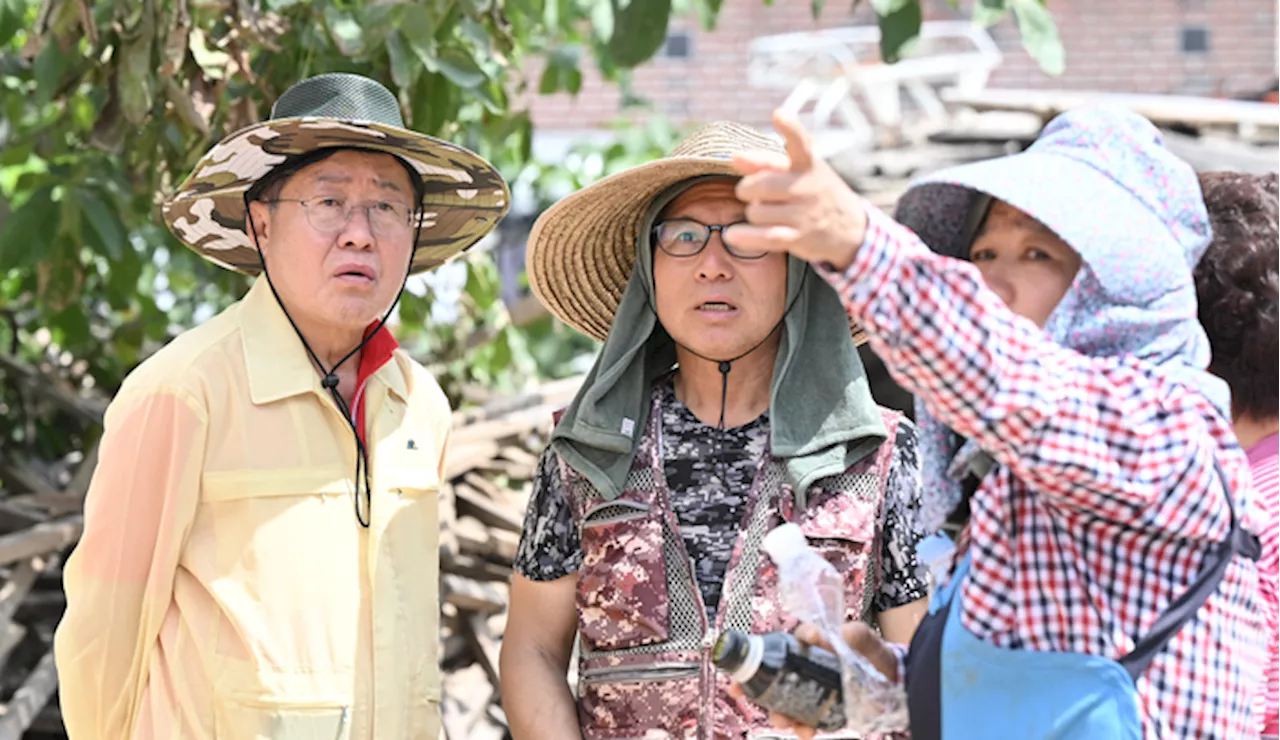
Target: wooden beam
40 539
19 585
87 409
476 539
1160 109
477 569
18 476
484 646
79 485
29 699
472 595
471 502
15 518
11 633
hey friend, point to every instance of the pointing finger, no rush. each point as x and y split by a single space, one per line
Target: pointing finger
770 185
763 238
799 144
750 163
770 214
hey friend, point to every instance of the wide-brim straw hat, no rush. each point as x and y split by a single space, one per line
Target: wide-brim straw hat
464 197
582 250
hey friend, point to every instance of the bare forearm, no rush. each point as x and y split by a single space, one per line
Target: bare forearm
536 697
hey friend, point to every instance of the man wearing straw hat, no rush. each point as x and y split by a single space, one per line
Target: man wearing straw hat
260 550
728 398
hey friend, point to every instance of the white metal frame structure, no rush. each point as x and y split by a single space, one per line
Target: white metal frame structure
839 87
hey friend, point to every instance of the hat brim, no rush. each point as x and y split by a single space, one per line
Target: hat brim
1095 215
464 197
582 250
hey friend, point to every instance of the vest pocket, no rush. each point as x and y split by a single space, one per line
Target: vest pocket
842 529
622 585
639 705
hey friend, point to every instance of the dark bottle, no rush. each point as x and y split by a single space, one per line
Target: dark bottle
783 675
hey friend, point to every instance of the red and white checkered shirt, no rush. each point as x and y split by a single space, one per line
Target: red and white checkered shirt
1106 500
1264 460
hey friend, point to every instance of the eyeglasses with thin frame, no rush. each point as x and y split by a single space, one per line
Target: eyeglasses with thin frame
685 237
328 214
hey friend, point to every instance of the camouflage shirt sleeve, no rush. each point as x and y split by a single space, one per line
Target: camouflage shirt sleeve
549 545
902 579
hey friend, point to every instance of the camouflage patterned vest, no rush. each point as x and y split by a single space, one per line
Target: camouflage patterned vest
644 664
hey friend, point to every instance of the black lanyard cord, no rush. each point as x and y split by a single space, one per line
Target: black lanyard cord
329 380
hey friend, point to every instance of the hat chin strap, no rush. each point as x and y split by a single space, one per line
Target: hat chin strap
330 381
726 365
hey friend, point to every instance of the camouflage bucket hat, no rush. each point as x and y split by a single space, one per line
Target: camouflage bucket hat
464 197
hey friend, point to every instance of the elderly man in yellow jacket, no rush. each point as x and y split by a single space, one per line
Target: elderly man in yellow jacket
260 549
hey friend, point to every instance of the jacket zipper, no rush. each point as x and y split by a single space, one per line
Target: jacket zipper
650 672
342 722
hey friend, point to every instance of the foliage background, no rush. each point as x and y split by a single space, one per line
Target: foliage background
105 106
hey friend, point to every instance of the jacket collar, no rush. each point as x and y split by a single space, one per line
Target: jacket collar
277 363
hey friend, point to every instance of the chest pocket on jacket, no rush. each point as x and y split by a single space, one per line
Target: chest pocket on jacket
622 585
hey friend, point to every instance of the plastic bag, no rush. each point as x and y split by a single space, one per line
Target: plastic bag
813 592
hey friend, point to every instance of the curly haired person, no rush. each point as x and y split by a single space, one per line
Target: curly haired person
1236 282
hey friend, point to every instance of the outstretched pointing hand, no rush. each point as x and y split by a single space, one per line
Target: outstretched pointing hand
796 203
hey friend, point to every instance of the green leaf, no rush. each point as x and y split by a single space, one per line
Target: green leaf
15 154
640 29
502 350
404 69
135 77
213 62
491 96
49 66
815 7
482 286
347 34
376 22
889 7
549 82
71 321
477 34
460 68
897 29
1040 35
29 231
282 4
987 13
124 276
709 13
418 28
602 20
104 220
13 15
573 81
433 104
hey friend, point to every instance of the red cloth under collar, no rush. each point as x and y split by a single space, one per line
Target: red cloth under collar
376 353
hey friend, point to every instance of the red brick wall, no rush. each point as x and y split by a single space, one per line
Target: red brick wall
1135 46
1120 45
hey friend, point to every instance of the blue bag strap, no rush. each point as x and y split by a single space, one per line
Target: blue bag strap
1183 608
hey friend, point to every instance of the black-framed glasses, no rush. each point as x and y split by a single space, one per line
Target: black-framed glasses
685 237
328 214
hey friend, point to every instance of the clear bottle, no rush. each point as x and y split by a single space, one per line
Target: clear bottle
785 676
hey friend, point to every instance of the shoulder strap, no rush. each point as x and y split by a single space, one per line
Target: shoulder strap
1183 608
